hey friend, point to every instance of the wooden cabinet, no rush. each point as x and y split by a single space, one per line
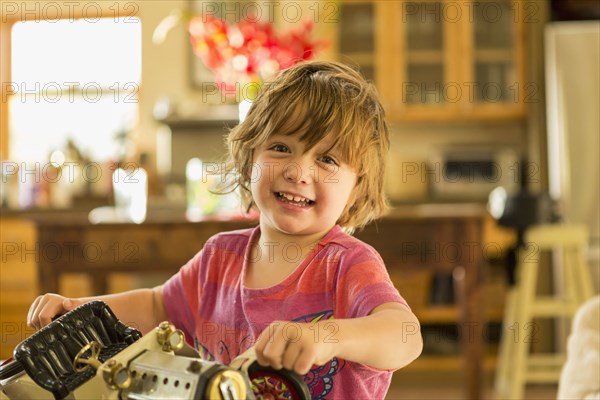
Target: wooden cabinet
18 283
457 241
440 238
439 60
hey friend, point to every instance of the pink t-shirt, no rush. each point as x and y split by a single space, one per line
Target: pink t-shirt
342 278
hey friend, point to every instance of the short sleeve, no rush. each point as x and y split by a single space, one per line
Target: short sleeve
363 283
181 294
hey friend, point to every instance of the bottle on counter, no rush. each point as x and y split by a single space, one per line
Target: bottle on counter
9 182
199 183
130 189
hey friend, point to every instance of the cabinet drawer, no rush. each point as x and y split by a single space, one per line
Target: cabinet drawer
17 230
14 327
16 274
18 240
18 256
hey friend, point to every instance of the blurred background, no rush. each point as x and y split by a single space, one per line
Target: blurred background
113 118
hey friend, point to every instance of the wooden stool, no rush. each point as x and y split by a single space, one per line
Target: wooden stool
516 366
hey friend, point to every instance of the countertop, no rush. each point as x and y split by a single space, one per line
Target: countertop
176 214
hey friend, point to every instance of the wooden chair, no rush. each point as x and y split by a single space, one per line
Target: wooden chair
516 365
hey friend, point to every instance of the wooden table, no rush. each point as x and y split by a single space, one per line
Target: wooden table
441 237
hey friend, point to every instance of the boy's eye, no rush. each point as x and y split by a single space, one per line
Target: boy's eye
329 160
280 148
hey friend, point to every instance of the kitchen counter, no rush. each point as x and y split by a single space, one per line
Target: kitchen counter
176 213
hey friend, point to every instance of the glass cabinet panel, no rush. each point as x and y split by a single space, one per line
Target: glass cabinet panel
424 84
494 32
357 37
438 59
424 54
423 26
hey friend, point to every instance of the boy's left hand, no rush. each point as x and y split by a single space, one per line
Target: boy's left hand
296 346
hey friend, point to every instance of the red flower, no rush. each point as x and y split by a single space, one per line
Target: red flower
249 51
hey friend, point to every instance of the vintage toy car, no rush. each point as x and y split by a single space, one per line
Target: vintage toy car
89 354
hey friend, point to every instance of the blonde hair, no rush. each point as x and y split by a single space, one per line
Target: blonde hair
316 99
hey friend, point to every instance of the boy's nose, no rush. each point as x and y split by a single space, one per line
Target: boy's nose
298 172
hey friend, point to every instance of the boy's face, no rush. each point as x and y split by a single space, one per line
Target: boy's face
298 192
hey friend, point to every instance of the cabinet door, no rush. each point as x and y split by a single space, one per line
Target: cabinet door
437 59
454 60
419 49
493 62
356 44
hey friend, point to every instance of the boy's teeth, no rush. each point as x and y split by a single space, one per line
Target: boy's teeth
292 198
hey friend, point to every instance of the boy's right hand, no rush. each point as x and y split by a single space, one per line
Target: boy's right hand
48 306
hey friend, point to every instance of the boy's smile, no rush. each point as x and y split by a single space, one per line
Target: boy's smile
294 199
299 191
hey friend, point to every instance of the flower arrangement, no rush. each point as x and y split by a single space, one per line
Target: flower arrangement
245 54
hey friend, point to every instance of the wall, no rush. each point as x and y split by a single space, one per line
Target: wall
418 143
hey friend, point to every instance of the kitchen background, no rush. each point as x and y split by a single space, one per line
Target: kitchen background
464 85
420 134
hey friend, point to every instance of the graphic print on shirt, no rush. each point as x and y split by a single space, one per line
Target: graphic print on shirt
205 354
320 379
223 353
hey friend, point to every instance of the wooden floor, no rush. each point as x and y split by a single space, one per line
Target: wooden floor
447 386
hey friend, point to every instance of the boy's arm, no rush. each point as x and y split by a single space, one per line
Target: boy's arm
141 308
388 338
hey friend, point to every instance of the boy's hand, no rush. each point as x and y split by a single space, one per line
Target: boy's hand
48 306
295 346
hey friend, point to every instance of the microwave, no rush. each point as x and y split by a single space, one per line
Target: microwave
471 172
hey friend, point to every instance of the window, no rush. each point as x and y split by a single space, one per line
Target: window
73 80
